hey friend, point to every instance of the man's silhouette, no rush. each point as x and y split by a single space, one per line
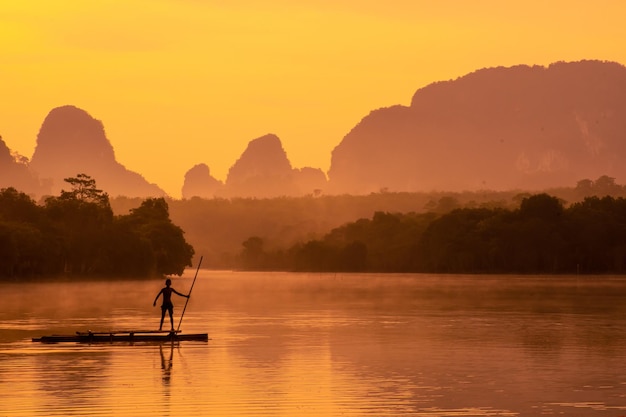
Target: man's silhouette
167 302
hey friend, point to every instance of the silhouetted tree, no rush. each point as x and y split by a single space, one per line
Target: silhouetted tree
353 257
597 230
22 244
540 240
253 254
18 206
169 251
455 242
21 249
606 185
77 234
584 188
80 219
314 256
84 189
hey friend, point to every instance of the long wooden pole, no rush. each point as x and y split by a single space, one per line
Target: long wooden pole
189 295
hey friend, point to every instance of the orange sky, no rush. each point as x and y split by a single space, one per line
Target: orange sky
180 82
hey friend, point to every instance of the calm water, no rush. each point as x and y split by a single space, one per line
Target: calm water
323 345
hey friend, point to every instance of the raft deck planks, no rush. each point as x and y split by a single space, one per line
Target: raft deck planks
124 336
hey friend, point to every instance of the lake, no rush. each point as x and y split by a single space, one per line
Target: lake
285 344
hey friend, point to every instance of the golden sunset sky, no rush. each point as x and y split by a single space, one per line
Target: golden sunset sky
180 82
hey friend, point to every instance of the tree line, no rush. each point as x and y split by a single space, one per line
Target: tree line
83 232
77 234
216 227
541 236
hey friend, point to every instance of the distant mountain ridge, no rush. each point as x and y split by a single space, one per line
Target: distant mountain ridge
70 141
15 172
497 128
262 171
521 127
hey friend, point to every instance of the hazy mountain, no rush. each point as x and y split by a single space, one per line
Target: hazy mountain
263 170
200 183
70 142
498 128
15 172
310 180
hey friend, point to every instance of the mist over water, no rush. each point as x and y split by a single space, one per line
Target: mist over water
322 344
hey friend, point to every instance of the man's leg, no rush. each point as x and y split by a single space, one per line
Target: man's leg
162 318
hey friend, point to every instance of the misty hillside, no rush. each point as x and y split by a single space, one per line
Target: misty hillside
15 172
497 128
70 141
217 228
530 128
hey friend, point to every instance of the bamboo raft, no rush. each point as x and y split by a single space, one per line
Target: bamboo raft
124 336
131 336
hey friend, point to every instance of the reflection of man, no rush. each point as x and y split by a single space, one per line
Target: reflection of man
166 364
167 302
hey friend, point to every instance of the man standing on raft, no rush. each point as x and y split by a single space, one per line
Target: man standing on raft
167 302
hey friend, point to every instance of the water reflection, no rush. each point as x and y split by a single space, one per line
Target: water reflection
284 344
166 364
72 376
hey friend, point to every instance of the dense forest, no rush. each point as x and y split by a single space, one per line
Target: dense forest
541 236
77 234
217 227
290 233
84 233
